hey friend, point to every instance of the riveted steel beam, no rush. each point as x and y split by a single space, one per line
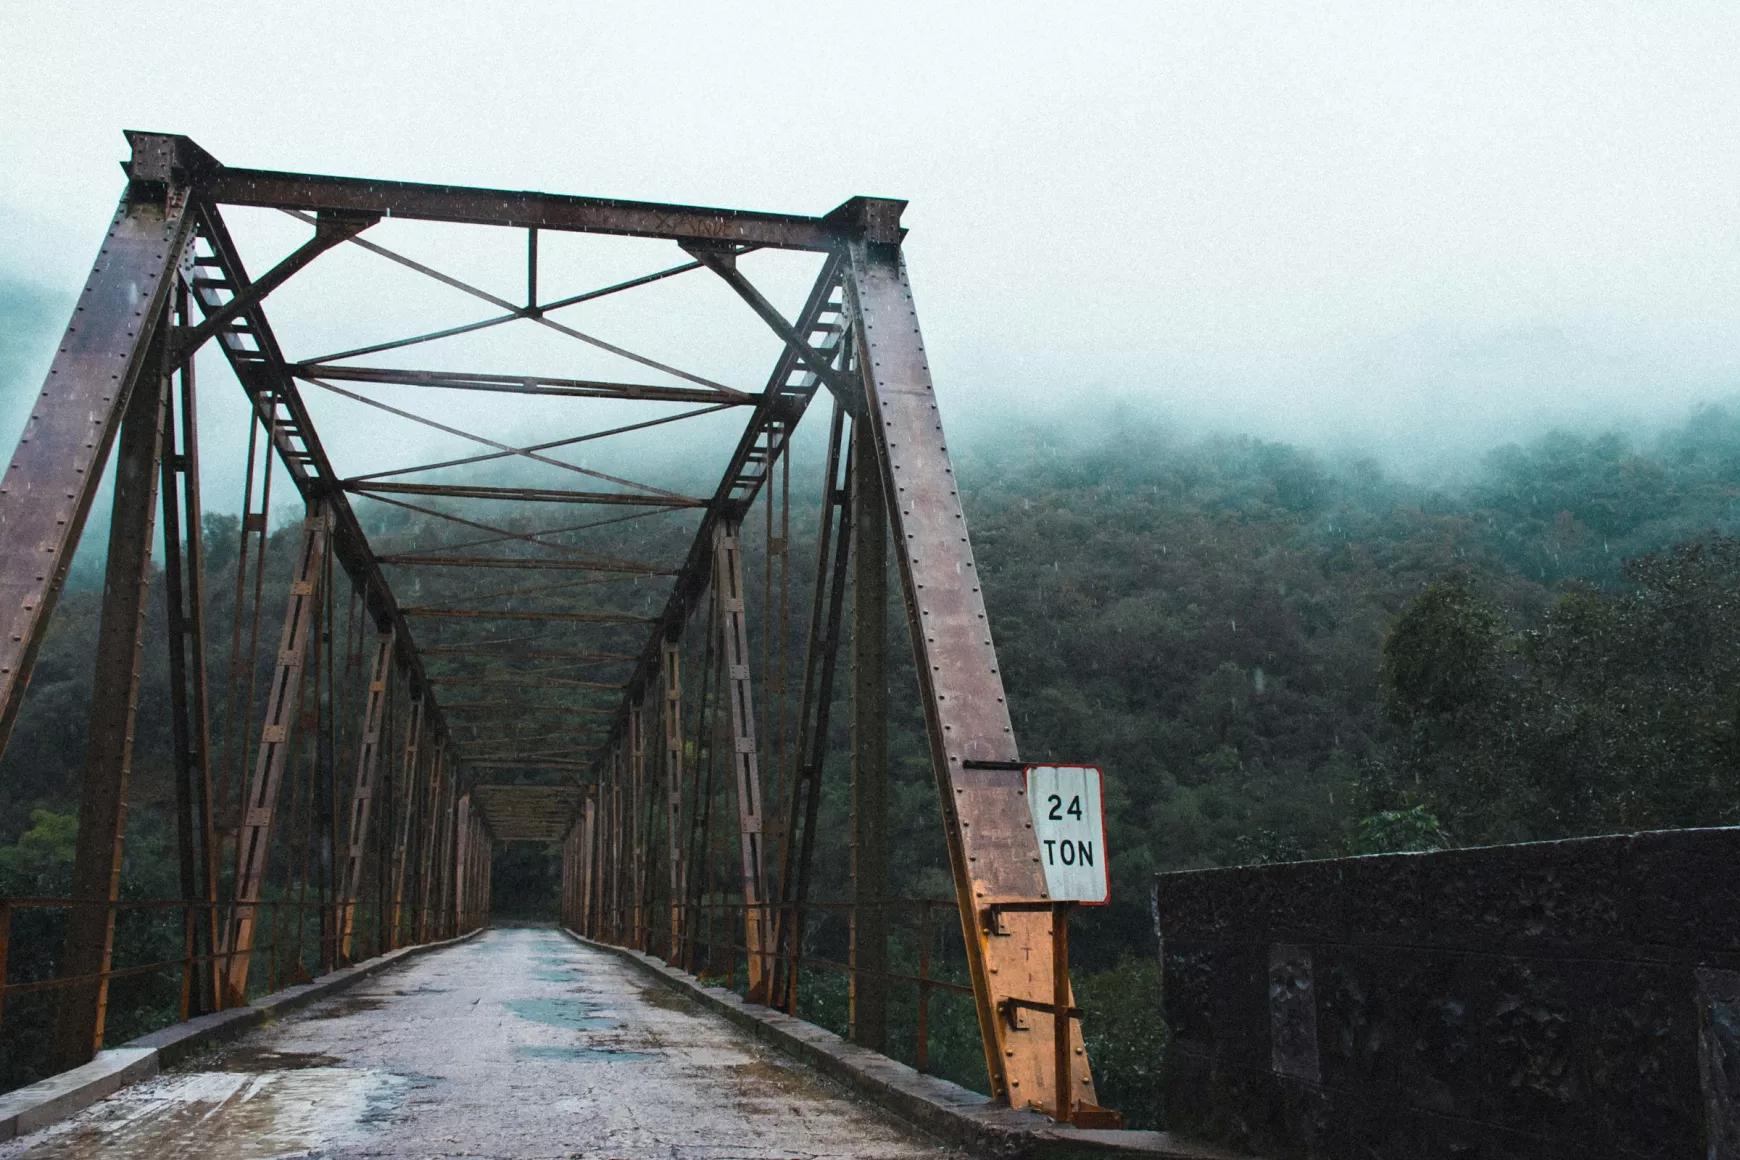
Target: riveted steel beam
90 931
522 494
524 385
521 614
363 787
992 850
745 761
53 474
868 990
627 567
283 710
520 209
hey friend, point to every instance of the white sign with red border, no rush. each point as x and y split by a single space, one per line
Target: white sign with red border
1069 820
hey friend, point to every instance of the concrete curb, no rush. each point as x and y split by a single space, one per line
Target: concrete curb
945 1110
59 1096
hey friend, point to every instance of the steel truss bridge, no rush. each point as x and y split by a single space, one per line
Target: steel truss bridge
467 677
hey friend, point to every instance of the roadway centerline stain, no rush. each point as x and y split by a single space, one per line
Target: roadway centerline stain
576 1014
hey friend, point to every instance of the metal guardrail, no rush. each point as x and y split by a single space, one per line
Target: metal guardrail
709 928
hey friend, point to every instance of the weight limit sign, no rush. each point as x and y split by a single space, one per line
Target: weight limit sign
1069 820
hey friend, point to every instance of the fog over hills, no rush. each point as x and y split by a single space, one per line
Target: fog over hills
1383 230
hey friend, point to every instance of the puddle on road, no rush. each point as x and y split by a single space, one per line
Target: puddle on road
761 1075
665 999
339 1008
226 1115
265 1059
575 1014
604 1054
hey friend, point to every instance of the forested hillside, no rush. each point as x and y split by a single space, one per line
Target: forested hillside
1204 618
1207 620
1272 653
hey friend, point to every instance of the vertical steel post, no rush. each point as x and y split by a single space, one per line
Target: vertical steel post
404 805
565 890
607 856
486 852
461 865
363 790
821 656
734 643
53 474
922 1033
671 675
1063 1110
189 699
589 862
992 850
283 706
449 843
431 840
624 856
5 950
637 847
90 929
869 726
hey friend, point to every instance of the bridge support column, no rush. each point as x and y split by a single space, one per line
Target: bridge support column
638 848
114 701
612 864
589 906
565 907
486 864
462 866
283 708
671 677
405 812
797 853
428 840
189 702
363 790
992 850
740 713
869 728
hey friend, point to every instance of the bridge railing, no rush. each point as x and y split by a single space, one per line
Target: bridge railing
162 961
922 952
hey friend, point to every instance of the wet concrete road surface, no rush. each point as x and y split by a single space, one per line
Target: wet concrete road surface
520 1043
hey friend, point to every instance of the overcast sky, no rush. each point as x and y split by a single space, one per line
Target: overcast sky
1426 226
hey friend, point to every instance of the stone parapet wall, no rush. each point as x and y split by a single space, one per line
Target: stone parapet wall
1575 998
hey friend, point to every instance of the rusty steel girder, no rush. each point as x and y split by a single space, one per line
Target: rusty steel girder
52 477
992 848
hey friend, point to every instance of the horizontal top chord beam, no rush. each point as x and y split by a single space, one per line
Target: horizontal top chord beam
524 494
517 614
527 813
523 209
524 384
626 566
543 655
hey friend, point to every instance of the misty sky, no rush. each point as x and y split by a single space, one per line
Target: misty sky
1427 227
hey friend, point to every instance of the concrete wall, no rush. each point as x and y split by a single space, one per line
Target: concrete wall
1577 998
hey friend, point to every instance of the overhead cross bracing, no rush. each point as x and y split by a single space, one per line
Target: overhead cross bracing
484 587
526 813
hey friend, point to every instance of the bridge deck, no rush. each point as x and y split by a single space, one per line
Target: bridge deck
520 1043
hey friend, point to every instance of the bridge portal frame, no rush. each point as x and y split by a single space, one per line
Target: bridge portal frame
126 339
